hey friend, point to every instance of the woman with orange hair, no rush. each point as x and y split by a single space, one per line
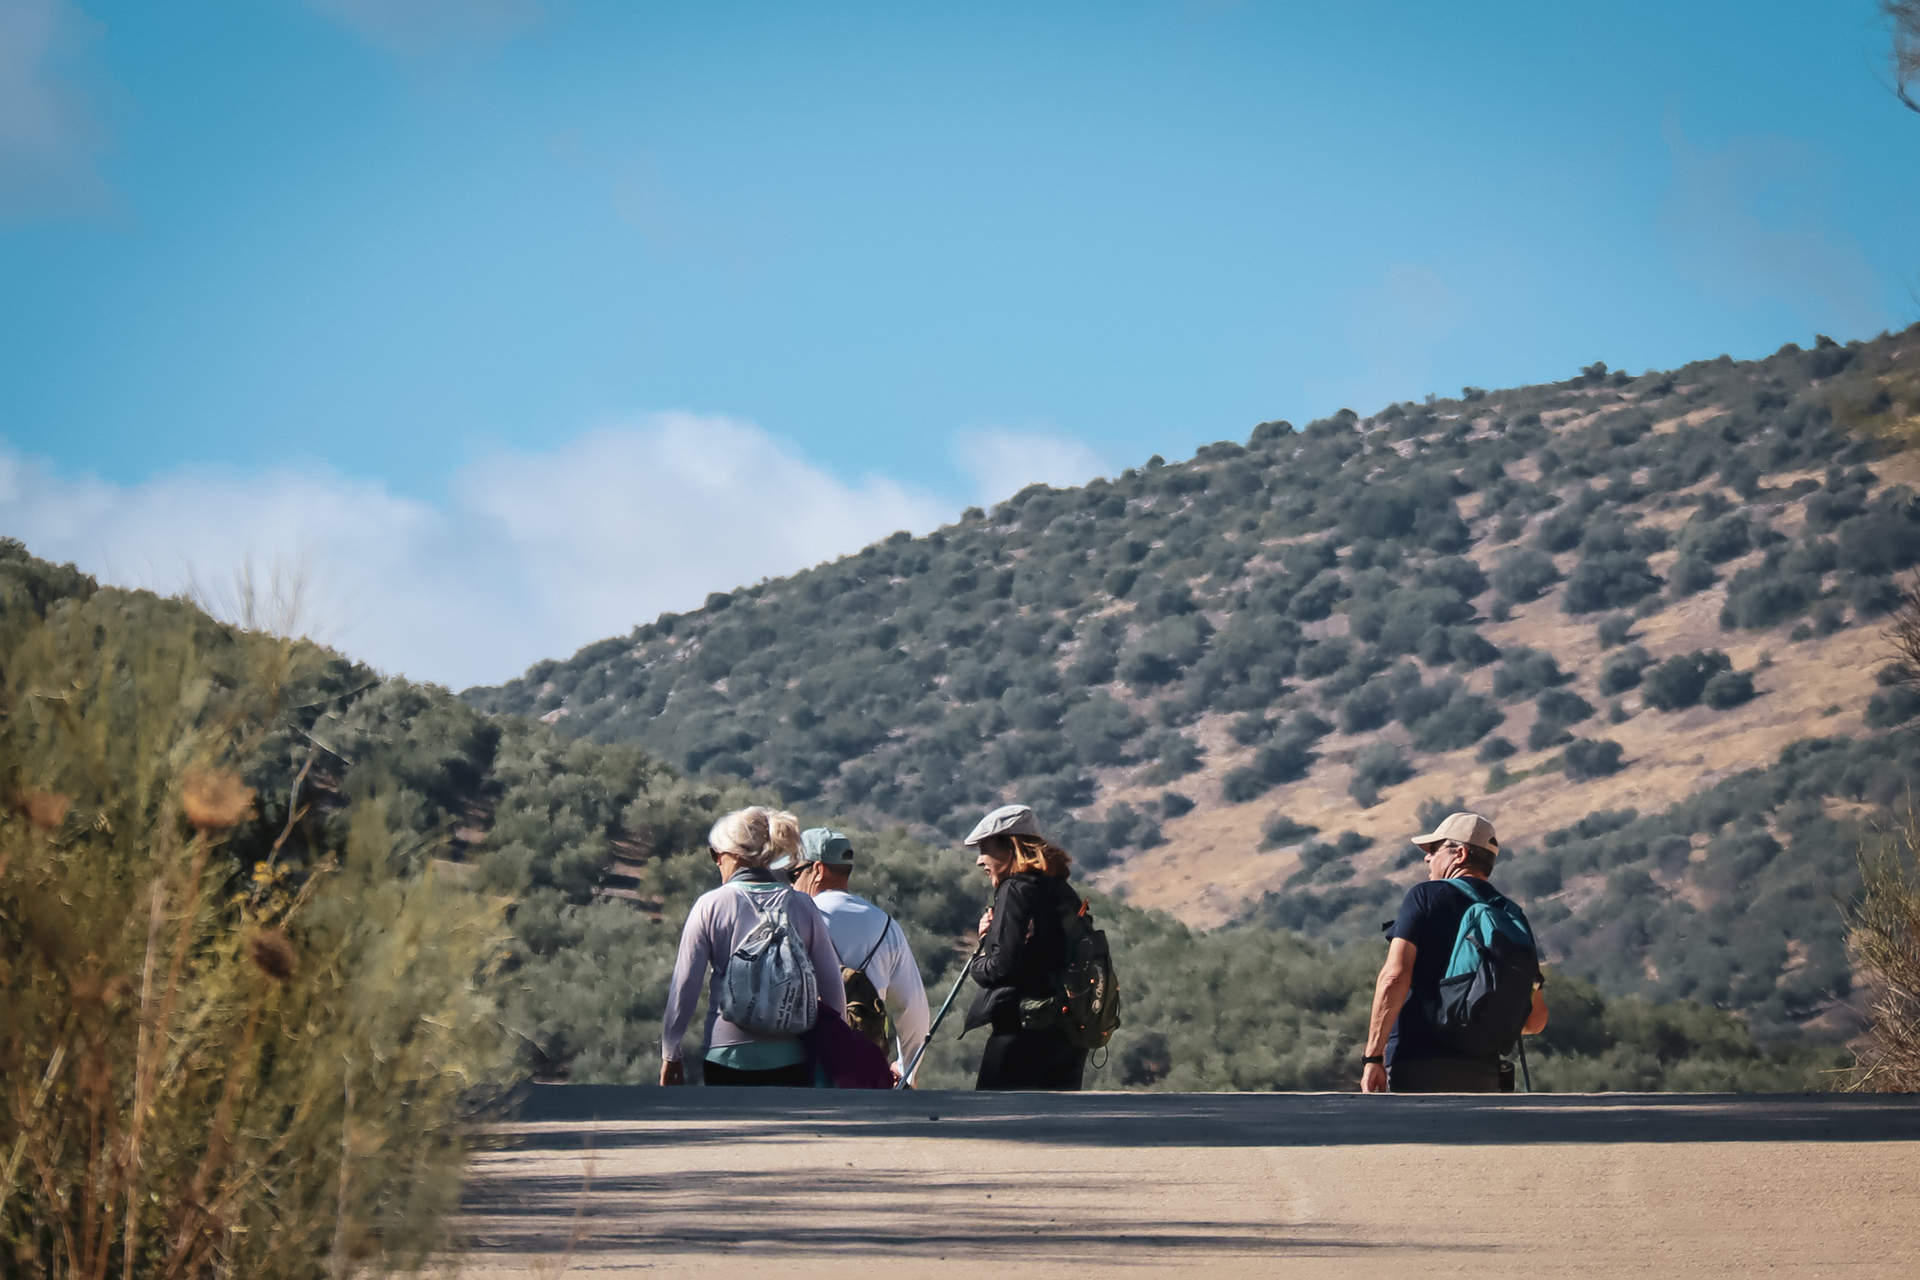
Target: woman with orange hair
1023 951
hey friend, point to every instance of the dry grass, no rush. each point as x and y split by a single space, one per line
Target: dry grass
206 1075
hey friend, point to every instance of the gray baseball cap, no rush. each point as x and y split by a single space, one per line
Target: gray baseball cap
824 845
1007 820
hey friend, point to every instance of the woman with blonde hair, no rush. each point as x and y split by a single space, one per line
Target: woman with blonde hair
742 844
1023 949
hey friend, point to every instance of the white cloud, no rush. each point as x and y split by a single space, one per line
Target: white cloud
426 26
1002 462
531 556
47 140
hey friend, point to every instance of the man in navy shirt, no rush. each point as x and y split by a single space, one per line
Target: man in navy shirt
1403 1052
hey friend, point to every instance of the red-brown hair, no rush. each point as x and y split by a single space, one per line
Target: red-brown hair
1030 853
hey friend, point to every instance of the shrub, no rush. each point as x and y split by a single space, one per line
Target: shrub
1680 681
1524 672
1728 689
1433 810
1615 630
1622 671
1873 597
1524 574
1470 649
1381 765
1691 575
1716 539
1366 707
1896 706
1282 830
1173 804
1587 758
1608 580
1463 720
1243 784
1563 705
1494 749
1250 728
1323 658
1547 733
1762 597
1174 756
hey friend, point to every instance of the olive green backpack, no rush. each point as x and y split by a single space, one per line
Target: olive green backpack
866 1011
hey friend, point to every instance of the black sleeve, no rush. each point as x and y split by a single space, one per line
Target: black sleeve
1410 923
1006 936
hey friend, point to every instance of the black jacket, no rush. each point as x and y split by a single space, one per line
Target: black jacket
1025 948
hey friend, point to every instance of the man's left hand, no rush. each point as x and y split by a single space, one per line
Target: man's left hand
1373 1078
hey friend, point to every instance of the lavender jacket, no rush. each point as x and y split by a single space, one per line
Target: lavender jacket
720 921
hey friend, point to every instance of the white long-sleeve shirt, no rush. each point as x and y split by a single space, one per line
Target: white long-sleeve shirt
720 921
856 925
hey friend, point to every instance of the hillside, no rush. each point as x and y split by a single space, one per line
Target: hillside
354 785
1635 618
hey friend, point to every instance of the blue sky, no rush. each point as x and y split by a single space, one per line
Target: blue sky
514 323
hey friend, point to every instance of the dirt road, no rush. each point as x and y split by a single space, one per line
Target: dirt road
719 1181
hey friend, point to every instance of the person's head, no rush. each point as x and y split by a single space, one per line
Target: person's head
824 861
1008 841
752 837
1463 844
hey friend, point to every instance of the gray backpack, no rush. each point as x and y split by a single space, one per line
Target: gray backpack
769 987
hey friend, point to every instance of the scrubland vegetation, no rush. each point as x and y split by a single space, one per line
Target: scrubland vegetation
273 927
1325 601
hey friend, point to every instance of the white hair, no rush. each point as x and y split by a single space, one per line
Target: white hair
756 835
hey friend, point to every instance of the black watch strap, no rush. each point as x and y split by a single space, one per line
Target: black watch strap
1373 1058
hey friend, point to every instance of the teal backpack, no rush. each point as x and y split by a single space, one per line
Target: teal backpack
1487 993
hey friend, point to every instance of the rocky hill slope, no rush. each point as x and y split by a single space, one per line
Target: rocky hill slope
1603 610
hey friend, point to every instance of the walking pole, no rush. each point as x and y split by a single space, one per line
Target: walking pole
1524 1073
928 1038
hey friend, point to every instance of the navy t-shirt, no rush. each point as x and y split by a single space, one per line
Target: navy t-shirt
1429 919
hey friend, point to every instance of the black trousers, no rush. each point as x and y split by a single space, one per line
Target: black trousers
1444 1075
1031 1060
796 1076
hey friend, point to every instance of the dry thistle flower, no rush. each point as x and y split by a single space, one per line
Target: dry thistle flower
215 799
272 951
46 809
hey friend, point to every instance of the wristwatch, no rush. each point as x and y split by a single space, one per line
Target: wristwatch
1373 1059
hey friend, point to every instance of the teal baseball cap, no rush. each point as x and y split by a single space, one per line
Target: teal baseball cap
824 845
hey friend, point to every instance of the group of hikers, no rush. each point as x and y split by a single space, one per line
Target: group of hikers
803 975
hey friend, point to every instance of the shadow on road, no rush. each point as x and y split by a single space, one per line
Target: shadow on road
642 1116
752 1212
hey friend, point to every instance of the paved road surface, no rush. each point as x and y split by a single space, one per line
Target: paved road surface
600 1182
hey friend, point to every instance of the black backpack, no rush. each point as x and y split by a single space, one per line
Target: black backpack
1085 1004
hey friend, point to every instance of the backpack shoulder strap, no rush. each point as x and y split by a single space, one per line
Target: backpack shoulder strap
1462 884
875 948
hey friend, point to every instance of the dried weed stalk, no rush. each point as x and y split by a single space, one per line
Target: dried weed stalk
201 1077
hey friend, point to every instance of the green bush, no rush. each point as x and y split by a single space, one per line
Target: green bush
1680 681
1524 574
1380 765
1728 689
1622 671
1588 758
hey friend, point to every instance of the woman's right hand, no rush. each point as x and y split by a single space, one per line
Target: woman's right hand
672 1072
986 921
